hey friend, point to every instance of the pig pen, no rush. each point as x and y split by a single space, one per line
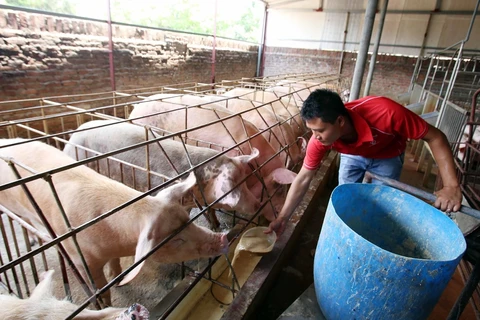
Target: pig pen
168 290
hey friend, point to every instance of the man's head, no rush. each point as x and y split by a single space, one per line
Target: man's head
325 114
324 104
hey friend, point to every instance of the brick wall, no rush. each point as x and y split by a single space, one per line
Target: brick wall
43 56
391 77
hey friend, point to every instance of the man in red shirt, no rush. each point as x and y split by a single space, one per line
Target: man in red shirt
371 135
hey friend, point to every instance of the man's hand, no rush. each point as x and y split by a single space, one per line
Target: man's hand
278 225
449 199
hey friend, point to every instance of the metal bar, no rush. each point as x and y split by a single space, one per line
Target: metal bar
69 227
10 258
417 192
56 14
28 248
214 42
17 251
50 230
261 47
363 50
472 21
362 11
110 47
66 284
264 45
342 54
373 59
416 72
24 224
466 293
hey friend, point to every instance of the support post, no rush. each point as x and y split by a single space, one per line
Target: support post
262 46
214 43
373 59
110 48
363 51
345 31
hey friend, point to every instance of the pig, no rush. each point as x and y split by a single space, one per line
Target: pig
42 304
170 114
300 90
85 194
215 177
462 145
280 103
280 134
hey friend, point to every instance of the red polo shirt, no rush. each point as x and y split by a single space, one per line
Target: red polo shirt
383 127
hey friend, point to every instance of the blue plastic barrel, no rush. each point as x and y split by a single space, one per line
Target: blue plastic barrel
383 254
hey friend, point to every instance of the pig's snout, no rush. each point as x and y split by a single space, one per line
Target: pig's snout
216 247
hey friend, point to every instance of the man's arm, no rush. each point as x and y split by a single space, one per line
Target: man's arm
450 197
295 194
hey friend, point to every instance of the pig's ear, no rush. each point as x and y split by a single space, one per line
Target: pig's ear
302 144
247 158
177 191
144 245
44 288
283 176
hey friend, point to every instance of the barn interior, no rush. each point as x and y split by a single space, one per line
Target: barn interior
71 80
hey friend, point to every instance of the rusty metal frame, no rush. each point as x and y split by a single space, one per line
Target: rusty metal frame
467 168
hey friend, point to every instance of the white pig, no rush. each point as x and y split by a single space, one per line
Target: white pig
175 113
281 104
300 90
215 177
263 117
86 194
42 304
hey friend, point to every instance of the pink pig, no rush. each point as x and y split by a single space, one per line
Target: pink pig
216 177
282 104
170 113
85 195
280 134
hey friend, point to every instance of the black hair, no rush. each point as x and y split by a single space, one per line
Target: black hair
324 104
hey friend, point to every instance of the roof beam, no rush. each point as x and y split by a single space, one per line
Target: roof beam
362 11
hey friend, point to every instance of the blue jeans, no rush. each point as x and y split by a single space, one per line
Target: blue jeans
352 168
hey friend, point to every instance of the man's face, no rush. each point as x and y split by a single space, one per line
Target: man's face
326 133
